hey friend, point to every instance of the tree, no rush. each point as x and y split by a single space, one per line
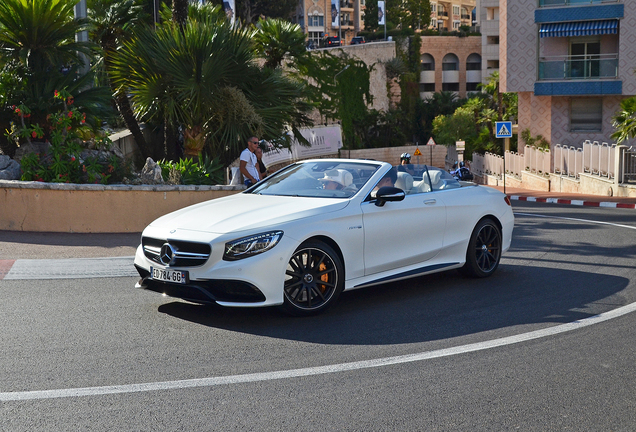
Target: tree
370 16
418 14
624 121
276 39
249 11
113 21
38 55
455 127
204 78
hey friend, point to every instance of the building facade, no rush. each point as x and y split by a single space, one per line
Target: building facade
319 20
571 62
450 63
488 23
451 15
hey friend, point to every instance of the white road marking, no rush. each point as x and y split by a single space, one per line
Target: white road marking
342 367
320 370
577 220
72 268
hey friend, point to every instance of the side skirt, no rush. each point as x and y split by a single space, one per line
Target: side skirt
408 274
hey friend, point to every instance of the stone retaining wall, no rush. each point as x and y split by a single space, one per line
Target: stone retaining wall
51 207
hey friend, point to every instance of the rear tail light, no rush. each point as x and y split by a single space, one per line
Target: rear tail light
507 200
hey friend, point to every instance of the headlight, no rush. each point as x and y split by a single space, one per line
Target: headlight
249 246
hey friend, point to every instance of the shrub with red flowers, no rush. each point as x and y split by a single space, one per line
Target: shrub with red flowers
67 133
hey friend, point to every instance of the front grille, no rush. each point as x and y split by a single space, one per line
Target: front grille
187 254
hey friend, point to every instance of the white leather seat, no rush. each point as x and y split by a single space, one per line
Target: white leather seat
435 176
404 181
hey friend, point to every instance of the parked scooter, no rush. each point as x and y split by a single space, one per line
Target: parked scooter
462 172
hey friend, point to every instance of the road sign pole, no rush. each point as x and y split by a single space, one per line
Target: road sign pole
506 144
503 130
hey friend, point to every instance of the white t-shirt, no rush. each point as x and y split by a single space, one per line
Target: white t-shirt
250 158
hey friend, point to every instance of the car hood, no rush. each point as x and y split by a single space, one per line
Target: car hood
245 212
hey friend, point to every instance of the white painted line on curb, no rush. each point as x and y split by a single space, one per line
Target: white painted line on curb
72 268
319 370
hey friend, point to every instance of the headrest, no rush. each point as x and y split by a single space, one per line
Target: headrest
435 176
343 177
404 181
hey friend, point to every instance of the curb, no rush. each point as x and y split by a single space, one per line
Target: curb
573 202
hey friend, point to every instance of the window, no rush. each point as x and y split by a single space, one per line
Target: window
433 22
471 86
456 25
586 114
584 57
450 62
450 87
433 7
473 62
427 62
455 10
316 21
427 87
492 40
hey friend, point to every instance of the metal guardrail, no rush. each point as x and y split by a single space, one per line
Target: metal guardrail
537 160
514 163
568 161
599 159
543 3
593 158
578 67
628 164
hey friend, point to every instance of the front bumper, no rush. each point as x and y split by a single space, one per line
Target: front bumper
204 291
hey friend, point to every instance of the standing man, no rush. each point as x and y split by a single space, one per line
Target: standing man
249 163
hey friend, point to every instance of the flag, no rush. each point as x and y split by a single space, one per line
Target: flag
230 10
335 13
381 14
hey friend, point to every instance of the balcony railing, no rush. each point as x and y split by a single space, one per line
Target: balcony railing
543 3
578 67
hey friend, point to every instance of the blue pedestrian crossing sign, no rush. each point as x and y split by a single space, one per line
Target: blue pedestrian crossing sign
503 129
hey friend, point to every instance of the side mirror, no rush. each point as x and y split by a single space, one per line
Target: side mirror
388 193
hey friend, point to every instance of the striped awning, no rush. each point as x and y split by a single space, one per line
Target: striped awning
579 28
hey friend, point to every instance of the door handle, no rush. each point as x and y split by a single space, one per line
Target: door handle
430 202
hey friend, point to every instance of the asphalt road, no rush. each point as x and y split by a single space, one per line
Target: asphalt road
547 343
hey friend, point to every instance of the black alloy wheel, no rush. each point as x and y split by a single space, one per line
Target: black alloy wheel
313 280
484 250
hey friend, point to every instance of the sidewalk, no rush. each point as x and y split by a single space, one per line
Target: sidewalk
565 198
34 245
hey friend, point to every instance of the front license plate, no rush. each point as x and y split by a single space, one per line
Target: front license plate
174 276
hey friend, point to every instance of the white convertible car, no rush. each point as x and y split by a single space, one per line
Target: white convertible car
303 235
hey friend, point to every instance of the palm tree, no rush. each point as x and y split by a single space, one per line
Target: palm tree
113 21
204 77
37 38
40 34
624 121
275 39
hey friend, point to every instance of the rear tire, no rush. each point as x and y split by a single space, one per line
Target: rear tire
314 279
484 250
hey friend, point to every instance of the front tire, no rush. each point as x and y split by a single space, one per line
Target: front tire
484 250
314 279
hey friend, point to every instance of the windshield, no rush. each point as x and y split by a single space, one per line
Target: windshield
318 179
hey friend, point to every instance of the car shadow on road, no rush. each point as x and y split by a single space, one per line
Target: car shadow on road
435 307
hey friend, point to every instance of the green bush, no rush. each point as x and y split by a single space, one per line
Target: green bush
62 163
188 172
